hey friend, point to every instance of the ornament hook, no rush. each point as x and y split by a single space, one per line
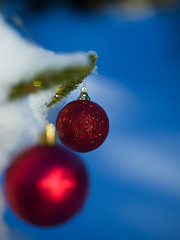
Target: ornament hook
83 95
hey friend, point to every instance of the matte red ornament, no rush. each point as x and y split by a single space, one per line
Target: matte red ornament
46 185
82 125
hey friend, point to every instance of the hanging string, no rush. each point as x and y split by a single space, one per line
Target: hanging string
84 83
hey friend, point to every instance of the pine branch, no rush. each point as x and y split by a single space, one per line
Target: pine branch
66 80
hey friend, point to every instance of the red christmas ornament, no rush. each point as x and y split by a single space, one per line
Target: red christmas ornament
82 125
46 185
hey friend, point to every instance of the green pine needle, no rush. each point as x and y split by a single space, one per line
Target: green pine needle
66 80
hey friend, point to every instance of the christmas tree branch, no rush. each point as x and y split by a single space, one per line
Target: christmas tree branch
65 80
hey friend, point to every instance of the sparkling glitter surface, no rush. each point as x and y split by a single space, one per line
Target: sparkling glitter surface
46 185
82 125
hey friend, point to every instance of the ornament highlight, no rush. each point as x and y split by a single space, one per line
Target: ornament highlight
82 125
46 185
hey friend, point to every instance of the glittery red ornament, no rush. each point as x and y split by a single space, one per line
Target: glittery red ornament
82 125
46 185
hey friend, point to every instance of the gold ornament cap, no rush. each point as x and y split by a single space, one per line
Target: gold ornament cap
48 138
83 95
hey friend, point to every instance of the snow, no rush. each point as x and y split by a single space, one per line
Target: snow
21 60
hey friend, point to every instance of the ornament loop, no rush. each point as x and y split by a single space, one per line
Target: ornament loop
83 95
